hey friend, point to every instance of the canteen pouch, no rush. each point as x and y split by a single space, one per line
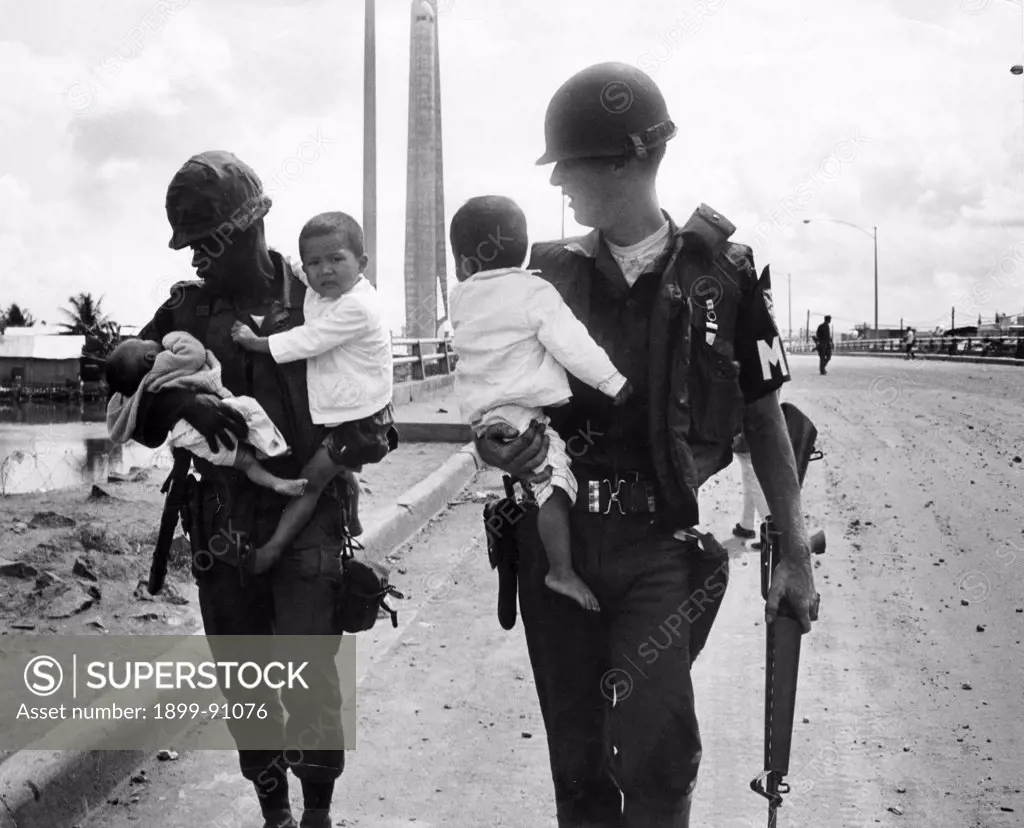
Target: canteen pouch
716 399
365 588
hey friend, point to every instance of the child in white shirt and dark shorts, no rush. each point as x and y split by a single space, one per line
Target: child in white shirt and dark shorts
515 338
349 370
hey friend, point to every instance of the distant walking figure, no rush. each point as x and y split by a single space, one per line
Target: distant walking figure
823 344
908 341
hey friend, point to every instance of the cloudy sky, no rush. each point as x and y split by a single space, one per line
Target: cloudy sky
896 113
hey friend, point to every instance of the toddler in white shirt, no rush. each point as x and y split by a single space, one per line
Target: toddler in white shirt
515 337
349 370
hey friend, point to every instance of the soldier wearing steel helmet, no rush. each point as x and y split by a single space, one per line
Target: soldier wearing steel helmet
682 313
215 205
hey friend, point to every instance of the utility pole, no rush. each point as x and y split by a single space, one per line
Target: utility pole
808 332
789 279
370 141
875 236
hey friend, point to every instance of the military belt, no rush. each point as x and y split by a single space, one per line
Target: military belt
620 493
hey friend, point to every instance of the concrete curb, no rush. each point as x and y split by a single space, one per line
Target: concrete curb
422 502
936 357
414 390
434 432
57 789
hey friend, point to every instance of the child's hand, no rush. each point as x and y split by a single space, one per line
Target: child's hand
241 333
623 395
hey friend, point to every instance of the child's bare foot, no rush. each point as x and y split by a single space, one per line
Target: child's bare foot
571 585
263 559
291 488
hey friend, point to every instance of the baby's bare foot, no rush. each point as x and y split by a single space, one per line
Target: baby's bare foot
571 585
291 488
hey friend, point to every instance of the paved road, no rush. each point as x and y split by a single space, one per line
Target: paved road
919 493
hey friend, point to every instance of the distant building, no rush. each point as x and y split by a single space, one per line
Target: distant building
39 329
865 331
34 359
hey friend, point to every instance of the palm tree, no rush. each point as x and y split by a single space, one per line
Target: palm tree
16 317
86 315
101 333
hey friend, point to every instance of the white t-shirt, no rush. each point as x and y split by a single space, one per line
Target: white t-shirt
347 348
634 259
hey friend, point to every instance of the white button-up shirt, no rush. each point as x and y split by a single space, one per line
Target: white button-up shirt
347 348
515 339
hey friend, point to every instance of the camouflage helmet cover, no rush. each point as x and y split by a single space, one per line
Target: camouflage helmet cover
606 110
210 190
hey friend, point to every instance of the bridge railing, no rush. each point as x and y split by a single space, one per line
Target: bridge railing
424 357
414 359
996 346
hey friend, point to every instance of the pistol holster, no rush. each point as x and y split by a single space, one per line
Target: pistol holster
500 519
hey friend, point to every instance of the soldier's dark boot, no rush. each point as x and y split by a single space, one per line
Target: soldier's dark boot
273 796
279 818
315 818
316 804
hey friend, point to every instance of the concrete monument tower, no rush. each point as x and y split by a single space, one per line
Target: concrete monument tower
425 238
370 139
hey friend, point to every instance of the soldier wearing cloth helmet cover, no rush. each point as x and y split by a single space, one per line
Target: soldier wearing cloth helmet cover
215 205
683 315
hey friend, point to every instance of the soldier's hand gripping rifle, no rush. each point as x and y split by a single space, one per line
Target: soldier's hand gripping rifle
783 636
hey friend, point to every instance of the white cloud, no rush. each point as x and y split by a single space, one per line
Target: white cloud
763 95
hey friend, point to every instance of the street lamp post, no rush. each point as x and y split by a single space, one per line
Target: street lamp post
1018 69
789 282
370 138
873 235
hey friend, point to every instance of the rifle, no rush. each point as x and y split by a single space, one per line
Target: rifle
783 636
175 488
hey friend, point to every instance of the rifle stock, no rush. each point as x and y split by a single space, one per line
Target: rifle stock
782 638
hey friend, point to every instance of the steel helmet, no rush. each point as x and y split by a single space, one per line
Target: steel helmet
210 189
609 109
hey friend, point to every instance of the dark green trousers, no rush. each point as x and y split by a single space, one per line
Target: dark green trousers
614 687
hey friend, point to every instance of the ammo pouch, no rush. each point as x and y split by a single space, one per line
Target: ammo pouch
714 381
363 592
500 519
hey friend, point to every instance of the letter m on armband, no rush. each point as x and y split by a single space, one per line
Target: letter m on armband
772 356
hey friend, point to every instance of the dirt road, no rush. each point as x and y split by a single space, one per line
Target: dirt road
912 684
